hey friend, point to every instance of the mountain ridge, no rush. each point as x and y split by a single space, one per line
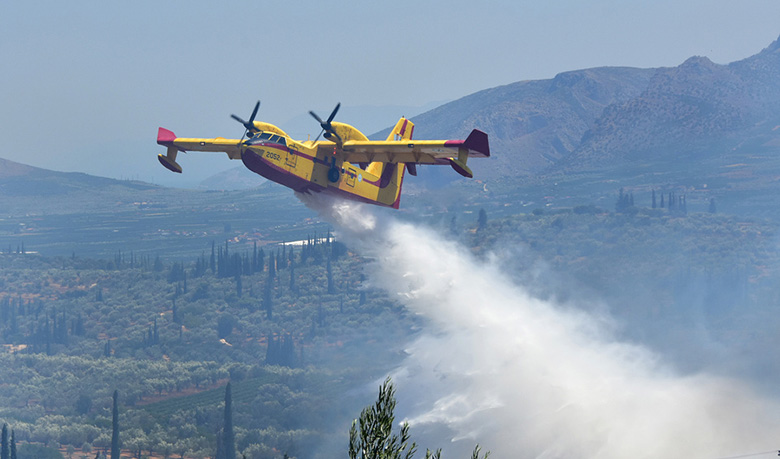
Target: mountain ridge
683 126
696 108
539 121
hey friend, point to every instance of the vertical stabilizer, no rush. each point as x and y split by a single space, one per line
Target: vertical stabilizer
403 130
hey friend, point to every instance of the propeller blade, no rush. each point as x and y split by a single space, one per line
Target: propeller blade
249 125
254 113
319 120
333 114
327 128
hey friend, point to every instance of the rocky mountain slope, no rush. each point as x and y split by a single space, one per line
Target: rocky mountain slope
533 124
692 111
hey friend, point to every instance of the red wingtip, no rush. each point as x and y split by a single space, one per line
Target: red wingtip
165 137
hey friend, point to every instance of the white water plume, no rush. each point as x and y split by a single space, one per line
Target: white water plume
527 378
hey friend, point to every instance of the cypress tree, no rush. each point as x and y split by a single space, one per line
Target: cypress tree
331 288
268 298
292 277
272 351
115 428
228 436
5 451
176 318
213 259
13 445
220 453
482 220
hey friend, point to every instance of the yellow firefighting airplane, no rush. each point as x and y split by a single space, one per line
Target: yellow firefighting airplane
347 164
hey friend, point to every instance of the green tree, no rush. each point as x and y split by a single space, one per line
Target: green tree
83 404
624 202
115 427
228 437
5 451
292 274
482 220
268 302
13 445
220 453
329 268
225 325
213 260
371 435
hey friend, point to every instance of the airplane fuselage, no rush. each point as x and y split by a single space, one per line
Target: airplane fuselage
299 166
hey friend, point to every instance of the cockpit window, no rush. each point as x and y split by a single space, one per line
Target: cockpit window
261 137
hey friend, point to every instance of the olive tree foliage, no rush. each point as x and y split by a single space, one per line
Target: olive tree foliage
371 435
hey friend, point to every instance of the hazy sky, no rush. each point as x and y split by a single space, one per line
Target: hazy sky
86 84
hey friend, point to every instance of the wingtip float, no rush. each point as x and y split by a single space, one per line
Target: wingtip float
346 164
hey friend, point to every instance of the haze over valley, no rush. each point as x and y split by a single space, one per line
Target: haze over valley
606 286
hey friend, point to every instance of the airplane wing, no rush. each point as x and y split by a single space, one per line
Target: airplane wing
218 144
415 151
176 144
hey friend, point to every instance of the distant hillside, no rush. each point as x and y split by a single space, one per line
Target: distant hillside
690 112
34 190
703 130
532 124
21 180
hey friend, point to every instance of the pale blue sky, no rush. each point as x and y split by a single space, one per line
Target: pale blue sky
86 84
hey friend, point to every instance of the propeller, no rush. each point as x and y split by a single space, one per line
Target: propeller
249 125
327 128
